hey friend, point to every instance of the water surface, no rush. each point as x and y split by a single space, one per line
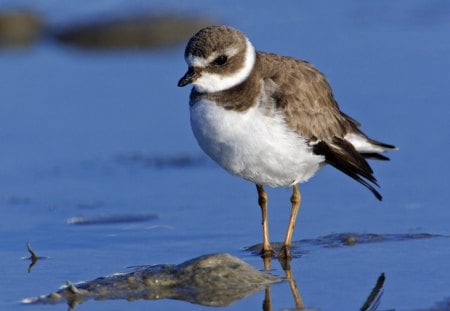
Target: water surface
73 121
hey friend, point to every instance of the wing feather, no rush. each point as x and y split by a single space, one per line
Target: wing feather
304 96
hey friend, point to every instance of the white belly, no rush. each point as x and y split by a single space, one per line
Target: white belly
252 145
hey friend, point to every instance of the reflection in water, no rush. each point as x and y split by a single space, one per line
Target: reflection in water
33 257
294 289
330 241
211 280
372 302
286 265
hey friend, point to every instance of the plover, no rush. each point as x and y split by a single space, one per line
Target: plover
270 119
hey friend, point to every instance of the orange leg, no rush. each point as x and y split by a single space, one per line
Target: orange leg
267 250
295 200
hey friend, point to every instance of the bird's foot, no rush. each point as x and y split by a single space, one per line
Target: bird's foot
285 253
267 252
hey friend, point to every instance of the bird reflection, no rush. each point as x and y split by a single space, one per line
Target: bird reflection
371 303
286 266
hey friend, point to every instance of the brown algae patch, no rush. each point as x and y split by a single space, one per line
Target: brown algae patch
212 280
344 239
350 239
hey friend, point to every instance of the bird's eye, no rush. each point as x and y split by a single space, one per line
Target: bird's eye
221 60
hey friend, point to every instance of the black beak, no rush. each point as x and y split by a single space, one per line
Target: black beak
190 76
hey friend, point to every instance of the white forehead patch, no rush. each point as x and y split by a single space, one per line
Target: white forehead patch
212 82
197 61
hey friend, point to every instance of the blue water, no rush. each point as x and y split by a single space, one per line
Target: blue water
68 116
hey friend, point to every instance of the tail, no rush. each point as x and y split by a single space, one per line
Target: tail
349 155
342 155
367 147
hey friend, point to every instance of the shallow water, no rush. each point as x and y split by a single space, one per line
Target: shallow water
101 136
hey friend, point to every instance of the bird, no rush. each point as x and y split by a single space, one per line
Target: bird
271 119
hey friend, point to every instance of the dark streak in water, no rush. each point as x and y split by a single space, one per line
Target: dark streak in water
110 219
346 239
350 239
16 200
147 160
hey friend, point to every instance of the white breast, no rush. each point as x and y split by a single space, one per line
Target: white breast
252 145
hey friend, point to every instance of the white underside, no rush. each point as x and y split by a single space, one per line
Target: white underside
252 145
